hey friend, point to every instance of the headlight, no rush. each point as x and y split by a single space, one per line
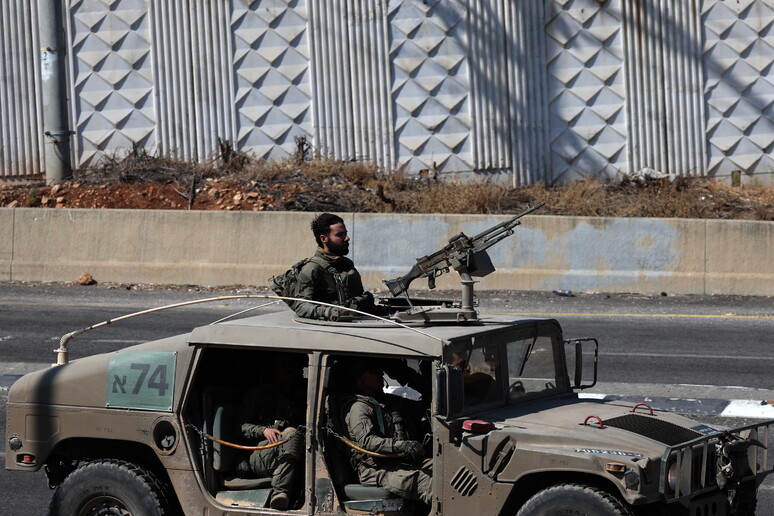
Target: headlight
672 476
14 442
632 479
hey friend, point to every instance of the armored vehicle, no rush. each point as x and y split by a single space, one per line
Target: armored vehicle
151 429
140 431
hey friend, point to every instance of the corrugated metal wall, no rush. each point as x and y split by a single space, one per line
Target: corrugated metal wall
21 138
489 86
333 78
551 90
663 45
372 109
528 90
170 64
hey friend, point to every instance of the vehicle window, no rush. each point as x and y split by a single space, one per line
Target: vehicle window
482 376
407 378
402 388
531 366
499 368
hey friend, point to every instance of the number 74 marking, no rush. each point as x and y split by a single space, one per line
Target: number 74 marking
157 380
141 379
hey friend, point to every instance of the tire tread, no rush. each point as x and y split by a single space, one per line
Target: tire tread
150 483
617 507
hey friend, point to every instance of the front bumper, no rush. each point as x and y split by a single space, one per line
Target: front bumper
717 463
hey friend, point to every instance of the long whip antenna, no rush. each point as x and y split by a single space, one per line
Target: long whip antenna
62 353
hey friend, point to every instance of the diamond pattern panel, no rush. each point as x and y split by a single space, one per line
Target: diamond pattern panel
272 83
586 88
739 88
430 85
113 78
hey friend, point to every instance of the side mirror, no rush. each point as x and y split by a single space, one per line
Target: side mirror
579 345
451 391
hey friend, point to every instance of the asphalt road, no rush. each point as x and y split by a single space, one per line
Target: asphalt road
658 346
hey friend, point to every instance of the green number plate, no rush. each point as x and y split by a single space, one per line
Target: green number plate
141 380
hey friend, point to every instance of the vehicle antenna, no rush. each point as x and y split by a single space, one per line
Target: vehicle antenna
62 353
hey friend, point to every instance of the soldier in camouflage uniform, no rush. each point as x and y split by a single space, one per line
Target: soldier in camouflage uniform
270 413
383 423
329 276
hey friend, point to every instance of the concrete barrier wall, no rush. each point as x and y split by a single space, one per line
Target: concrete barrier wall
583 254
6 243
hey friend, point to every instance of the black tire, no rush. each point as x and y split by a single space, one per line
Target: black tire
109 487
575 499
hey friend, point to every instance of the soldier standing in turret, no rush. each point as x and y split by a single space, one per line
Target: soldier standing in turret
329 276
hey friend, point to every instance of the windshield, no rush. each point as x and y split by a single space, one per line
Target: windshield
504 368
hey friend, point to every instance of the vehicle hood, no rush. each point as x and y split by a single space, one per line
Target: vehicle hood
590 427
84 382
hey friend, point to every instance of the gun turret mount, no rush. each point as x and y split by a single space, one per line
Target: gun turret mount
467 256
476 265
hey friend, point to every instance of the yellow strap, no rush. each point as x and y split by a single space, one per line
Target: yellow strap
346 441
354 446
241 446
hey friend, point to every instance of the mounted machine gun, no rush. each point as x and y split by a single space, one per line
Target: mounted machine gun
466 255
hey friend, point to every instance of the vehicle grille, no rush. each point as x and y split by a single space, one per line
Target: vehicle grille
696 462
464 482
652 428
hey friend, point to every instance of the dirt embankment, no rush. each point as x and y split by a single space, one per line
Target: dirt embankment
140 181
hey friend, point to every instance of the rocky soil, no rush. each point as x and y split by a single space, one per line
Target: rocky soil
241 184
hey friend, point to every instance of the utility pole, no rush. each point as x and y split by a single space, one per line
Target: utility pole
54 91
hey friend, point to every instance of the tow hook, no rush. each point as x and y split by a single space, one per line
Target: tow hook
594 416
733 463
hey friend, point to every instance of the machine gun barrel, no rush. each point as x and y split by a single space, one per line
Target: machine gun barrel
456 251
491 236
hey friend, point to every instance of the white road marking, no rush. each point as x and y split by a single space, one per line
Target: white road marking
748 408
22 367
119 341
684 355
752 409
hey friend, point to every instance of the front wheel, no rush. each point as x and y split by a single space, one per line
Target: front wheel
575 499
103 487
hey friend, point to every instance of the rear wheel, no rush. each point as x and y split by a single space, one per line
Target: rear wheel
575 499
109 487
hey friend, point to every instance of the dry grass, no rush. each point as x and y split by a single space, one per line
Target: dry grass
329 185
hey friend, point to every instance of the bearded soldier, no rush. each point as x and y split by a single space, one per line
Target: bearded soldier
329 276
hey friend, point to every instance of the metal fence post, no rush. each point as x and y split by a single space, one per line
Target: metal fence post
54 91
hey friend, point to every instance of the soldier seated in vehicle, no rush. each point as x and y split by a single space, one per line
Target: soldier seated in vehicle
383 425
270 413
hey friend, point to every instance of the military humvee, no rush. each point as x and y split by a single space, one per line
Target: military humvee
150 429
141 430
